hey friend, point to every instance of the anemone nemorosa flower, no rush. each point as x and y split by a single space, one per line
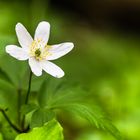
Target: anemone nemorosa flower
37 51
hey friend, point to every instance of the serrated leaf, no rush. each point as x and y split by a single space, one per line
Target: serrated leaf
66 99
40 117
57 92
25 109
37 82
46 91
95 117
50 131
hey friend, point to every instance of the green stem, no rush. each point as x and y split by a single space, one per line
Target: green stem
26 100
9 121
29 88
19 106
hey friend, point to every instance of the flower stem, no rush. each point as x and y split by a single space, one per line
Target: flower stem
19 106
9 121
29 88
26 101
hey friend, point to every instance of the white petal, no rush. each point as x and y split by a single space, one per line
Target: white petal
17 52
42 32
57 51
24 37
52 69
35 66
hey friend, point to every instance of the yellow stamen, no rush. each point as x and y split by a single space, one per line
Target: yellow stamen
38 51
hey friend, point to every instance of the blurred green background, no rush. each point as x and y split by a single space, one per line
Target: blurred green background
105 61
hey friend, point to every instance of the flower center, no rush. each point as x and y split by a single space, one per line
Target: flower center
38 50
37 53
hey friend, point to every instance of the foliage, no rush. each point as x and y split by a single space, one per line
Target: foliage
53 94
50 131
103 70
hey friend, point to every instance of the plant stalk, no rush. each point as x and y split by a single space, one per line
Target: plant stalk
29 88
26 101
9 121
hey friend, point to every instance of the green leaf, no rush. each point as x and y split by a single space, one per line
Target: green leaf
18 74
5 86
8 98
40 117
25 109
54 91
15 70
4 76
67 98
46 92
37 82
50 131
95 117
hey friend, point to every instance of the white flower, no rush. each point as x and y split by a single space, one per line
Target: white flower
37 51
